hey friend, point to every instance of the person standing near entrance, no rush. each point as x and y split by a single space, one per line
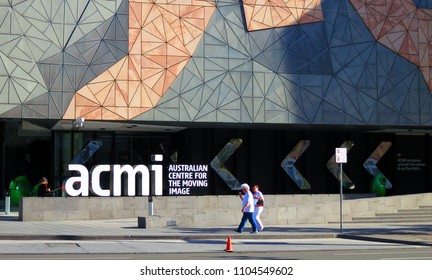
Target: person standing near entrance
247 209
259 206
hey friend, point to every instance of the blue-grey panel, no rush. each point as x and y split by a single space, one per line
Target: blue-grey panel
423 3
343 25
296 49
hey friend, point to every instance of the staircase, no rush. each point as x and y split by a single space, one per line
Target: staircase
419 215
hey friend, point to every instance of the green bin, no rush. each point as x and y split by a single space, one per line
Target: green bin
378 185
18 188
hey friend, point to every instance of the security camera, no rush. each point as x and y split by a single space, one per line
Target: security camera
78 123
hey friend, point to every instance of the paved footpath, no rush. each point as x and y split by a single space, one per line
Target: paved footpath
124 236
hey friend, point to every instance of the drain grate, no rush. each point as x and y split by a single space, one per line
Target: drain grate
62 245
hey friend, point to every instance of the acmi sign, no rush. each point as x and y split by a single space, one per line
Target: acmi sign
88 182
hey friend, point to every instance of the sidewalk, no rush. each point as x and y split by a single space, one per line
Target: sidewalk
127 229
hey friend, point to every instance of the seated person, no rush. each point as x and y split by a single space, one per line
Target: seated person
43 189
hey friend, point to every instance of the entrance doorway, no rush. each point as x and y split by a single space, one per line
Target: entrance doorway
25 154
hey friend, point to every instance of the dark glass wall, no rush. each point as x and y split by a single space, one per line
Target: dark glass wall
258 159
116 148
24 154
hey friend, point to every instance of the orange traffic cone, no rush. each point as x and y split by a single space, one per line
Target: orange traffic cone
229 245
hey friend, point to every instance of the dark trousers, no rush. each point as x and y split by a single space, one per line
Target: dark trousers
247 216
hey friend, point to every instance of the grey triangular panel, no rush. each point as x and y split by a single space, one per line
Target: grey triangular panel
277 116
193 96
196 67
208 113
35 111
11 111
228 116
167 114
40 100
246 112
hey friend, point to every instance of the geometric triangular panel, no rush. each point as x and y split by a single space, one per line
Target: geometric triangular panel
403 28
35 31
261 15
162 38
292 61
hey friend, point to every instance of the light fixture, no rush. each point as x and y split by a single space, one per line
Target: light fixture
78 123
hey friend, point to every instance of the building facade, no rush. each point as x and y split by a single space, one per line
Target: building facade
258 91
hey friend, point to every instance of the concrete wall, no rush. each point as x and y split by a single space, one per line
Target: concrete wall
201 211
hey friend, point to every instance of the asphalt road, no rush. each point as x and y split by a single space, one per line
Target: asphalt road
281 249
370 254
127 259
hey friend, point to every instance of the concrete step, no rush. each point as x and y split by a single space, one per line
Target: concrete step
418 215
414 211
393 217
403 215
391 220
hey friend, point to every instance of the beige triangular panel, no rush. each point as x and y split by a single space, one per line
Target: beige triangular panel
264 14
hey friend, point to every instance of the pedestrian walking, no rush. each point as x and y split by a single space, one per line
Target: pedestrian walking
259 206
247 209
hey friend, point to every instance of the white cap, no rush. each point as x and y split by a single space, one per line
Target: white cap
244 185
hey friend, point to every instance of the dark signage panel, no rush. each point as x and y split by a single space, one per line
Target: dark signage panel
411 169
187 179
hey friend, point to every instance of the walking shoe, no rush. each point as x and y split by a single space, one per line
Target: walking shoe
236 230
254 231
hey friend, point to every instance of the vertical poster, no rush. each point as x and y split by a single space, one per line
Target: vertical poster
411 169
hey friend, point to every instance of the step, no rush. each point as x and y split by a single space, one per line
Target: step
399 217
390 220
402 215
422 210
421 214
